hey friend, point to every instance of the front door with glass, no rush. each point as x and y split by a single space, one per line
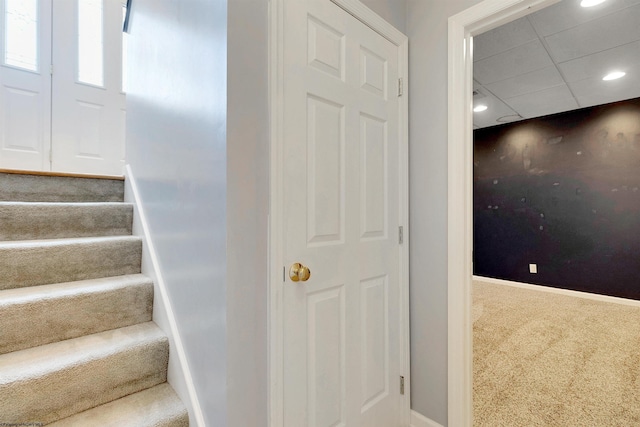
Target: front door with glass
25 84
62 104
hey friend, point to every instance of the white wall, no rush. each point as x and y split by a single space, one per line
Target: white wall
427 31
176 146
247 210
393 11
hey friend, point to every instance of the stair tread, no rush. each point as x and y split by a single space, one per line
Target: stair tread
157 406
63 204
39 361
27 172
55 381
42 220
12 296
45 261
39 315
64 241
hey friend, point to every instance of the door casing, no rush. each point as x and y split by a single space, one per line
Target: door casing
276 197
462 27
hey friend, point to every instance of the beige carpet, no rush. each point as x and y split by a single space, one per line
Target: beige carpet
543 359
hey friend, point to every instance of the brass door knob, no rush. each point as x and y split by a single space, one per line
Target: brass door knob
299 273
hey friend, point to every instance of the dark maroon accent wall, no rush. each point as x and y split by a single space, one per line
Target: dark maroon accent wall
563 192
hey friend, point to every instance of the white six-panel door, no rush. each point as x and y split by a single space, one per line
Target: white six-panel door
341 208
62 105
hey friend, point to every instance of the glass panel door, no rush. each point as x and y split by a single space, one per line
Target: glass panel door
25 84
21 34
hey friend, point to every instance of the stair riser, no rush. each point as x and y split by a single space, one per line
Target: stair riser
44 393
34 188
60 312
155 407
42 221
34 265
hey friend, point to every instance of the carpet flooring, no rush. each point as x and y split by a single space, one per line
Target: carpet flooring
544 359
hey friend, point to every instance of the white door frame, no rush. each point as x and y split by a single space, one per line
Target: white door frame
276 198
462 27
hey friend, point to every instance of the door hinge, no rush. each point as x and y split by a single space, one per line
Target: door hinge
400 235
51 69
401 385
284 274
400 88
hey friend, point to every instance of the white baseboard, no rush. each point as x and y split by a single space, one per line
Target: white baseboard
178 373
419 420
566 292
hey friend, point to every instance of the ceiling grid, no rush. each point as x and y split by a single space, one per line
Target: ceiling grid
553 60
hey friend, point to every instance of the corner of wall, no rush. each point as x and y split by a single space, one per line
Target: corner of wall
178 372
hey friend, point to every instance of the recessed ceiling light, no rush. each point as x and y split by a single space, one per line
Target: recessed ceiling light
480 108
509 118
614 75
590 3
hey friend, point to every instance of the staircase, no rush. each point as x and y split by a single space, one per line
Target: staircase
77 344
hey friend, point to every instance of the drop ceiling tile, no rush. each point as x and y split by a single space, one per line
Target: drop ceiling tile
514 62
503 38
613 30
479 92
526 83
624 58
595 91
549 101
496 109
590 42
568 14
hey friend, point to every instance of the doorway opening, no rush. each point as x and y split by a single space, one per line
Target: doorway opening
462 27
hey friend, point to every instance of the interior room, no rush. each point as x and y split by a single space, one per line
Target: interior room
556 203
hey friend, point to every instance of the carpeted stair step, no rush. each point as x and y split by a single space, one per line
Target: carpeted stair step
42 262
35 220
158 406
55 381
44 314
17 187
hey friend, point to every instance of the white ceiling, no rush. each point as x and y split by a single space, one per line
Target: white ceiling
553 60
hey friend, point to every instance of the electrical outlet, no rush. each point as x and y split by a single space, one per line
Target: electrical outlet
533 268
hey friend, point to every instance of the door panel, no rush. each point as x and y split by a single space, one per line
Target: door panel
326 183
373 73
87 98
341 201
374 175
374 334
326 48
25 85
326 370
